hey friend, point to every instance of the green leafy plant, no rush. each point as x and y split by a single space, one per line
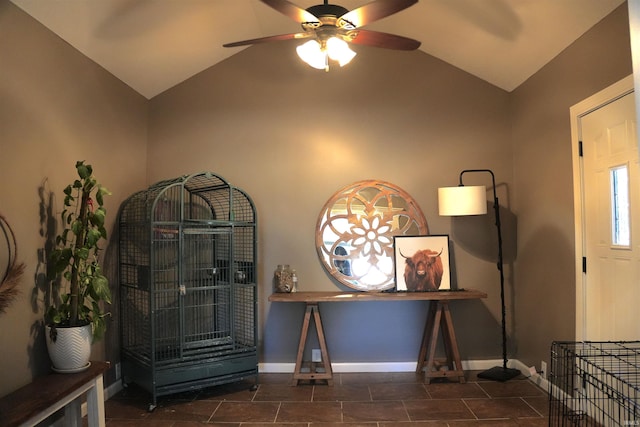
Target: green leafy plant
73 263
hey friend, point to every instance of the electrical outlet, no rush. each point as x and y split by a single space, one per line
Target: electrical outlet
118 372
543 369
316 355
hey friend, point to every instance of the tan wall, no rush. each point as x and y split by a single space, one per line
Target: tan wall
56 107
545 292
291 136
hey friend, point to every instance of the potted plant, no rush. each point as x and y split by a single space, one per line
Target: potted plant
75 318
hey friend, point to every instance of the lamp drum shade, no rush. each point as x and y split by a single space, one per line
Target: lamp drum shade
462 200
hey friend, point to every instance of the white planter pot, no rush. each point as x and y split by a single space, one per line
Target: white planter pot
71 351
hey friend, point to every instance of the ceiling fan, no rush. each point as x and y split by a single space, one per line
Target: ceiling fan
331 27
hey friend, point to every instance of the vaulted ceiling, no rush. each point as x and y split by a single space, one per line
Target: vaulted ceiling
153 45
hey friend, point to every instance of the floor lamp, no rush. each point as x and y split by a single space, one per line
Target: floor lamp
472 200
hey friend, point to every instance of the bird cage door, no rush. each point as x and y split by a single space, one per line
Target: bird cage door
206 290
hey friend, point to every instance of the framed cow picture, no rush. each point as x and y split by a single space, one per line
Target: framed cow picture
422 263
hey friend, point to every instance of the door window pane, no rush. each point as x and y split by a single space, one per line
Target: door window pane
620 234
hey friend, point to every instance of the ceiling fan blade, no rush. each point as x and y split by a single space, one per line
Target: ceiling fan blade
280 37
384 40
372 12
289 9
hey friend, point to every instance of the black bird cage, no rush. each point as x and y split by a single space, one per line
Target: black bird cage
188 294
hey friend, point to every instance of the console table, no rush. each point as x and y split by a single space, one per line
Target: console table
439 318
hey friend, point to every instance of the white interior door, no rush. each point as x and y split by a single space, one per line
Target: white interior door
611 222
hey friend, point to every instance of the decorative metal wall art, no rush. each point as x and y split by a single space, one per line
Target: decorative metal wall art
355 230
10 270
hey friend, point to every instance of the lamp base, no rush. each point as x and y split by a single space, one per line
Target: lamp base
499 373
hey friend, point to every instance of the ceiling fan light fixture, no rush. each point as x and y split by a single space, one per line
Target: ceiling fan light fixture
338 50
317 54
311 52
333 27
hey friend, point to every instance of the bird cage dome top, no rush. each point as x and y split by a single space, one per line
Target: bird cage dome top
201 197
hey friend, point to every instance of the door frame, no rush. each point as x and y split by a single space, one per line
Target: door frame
577 112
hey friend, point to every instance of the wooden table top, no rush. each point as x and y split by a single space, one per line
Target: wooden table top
314 297
43 392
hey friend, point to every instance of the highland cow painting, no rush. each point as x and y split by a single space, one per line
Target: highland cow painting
422 263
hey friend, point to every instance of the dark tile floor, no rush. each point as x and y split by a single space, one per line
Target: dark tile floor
355 400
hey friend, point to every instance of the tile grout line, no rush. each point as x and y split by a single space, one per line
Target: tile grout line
464 401
523 398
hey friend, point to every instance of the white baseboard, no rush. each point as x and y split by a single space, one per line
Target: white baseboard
535 378
287 368
467 365
112 390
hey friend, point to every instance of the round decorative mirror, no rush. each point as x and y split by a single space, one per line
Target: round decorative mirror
354 234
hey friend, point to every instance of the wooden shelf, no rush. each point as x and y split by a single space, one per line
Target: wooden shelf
36 401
